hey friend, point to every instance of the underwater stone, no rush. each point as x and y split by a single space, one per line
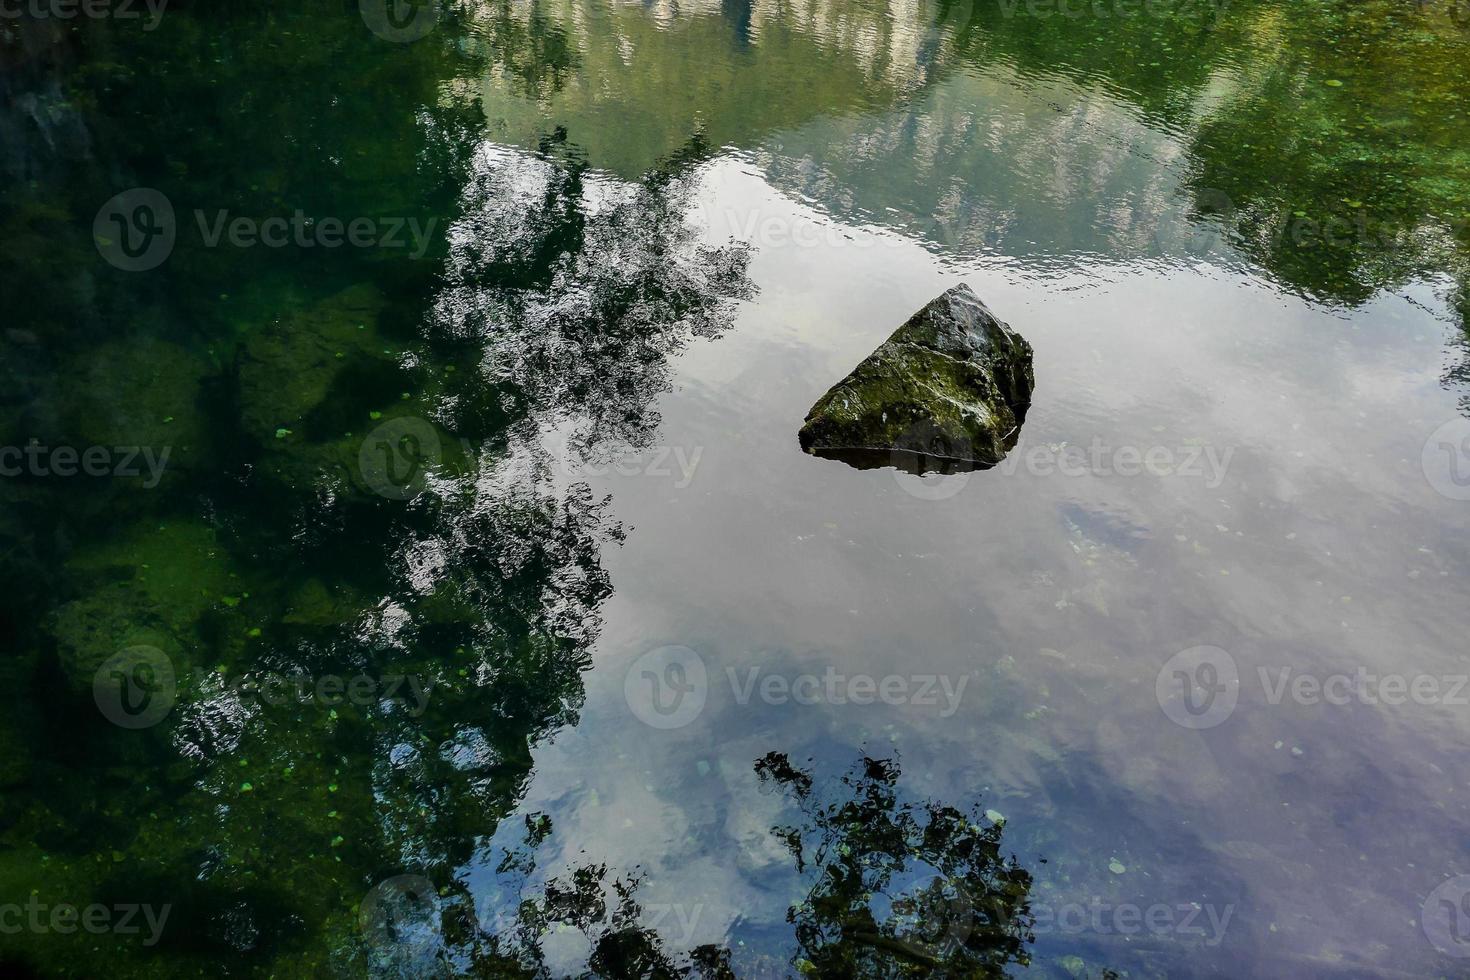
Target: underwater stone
948 390
288 370
140 392
149 585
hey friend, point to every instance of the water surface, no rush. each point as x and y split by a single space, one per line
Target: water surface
523 459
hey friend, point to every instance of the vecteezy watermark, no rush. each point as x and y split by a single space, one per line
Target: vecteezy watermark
138 686
137 230
1109 9
1206 464
400 21
135 687
667 688
152 10
932 916
1352 225
1346 224
332 690
64 918
659 462
35 459
832 686
303 231
1097 916
1200 687
396 457
401 921
1445 459
1445 917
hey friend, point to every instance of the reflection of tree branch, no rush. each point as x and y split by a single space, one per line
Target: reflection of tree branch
582 288
901 950
961 908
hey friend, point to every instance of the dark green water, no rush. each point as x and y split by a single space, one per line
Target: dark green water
387 392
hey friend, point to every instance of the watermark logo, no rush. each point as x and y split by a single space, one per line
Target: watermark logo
1161 919
1445 459
832 686
933 917
400 21
135 231
930 463
1205 463
333 690
1445 917
135 687
1204 231
37 460
1198 688
401 923
88 9
667 687
123 919
395 458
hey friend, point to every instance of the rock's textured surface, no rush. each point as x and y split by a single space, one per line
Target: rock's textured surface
949 389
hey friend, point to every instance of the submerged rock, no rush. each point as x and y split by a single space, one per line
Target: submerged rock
297 374
947 391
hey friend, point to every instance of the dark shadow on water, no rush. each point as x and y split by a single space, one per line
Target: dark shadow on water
919 464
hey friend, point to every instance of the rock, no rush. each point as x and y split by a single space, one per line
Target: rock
948 391
290 370
1075 966
142 392
149 585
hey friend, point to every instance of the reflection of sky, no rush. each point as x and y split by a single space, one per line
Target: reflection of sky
1321 548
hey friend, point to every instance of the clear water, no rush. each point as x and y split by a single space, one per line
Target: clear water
522 460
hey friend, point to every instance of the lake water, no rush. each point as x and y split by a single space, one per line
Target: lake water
411 568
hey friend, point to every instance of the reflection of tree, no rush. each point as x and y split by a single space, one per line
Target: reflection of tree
581 287
264 549
901 889
606 912
533 51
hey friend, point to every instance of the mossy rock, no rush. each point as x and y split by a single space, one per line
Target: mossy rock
143 392
168 586
287 370
315 604
16 752
91 629
951 385
351 465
